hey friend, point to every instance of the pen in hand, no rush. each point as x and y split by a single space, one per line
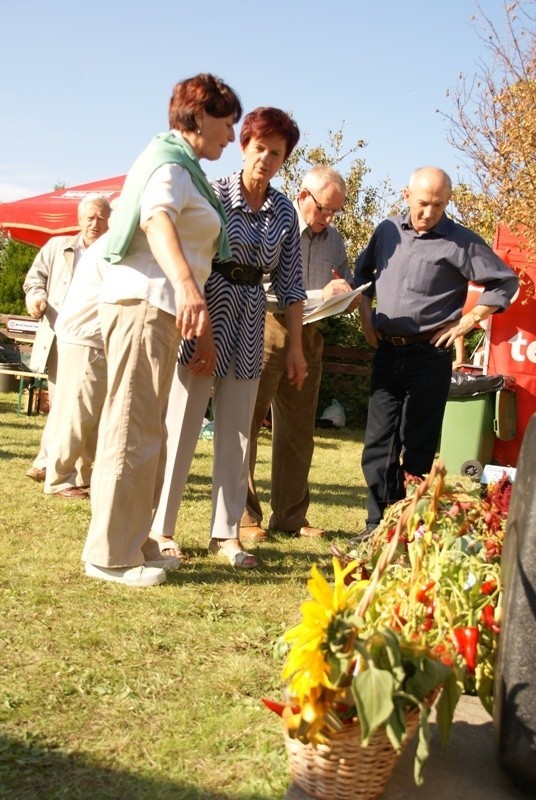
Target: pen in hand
335 274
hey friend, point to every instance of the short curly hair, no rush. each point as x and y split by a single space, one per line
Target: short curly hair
203 92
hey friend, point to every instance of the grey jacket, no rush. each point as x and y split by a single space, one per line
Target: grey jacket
48 279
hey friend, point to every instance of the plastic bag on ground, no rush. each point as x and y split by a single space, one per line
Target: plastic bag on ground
333 416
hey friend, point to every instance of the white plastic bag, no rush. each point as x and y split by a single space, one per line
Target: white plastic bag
335 414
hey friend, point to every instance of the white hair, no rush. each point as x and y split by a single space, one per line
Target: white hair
320 176
94 200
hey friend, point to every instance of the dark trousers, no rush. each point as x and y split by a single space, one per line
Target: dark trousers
408 394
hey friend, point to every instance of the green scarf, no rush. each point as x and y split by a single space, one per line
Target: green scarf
165 148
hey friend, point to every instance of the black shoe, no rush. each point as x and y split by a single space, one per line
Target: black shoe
367 532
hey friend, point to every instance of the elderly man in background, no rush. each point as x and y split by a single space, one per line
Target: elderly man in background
45 287
325 267
419 265
73 421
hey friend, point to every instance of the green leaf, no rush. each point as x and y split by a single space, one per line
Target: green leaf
392 649
395 727
423 746
428 674
372 691
446 705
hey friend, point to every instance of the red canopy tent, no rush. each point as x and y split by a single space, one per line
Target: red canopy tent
34 220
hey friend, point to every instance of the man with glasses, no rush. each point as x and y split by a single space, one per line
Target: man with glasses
325 267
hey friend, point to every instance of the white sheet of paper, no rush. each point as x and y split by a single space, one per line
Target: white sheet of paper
335 305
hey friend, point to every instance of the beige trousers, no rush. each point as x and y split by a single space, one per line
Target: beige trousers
233 403
74 417
141 344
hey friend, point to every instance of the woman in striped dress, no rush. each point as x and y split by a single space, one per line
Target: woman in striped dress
227 359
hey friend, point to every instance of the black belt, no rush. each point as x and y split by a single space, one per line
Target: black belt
400 341
242 274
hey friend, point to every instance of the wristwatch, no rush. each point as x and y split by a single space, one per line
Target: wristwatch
476 317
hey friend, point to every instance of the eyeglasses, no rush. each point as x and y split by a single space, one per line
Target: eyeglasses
327 212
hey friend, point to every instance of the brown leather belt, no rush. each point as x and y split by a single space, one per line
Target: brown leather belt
401 341
241 274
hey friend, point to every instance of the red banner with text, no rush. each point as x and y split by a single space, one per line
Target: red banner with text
512 342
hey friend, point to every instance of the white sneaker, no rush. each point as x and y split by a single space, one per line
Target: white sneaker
129 576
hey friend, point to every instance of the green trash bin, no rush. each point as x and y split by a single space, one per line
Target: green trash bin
472 422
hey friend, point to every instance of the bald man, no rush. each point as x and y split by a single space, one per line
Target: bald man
419 264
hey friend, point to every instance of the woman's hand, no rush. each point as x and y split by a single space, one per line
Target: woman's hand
203 361
192 312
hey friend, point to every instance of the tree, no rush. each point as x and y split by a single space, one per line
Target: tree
494 126
15 261
364 206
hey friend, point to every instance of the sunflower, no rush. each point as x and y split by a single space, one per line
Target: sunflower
317 639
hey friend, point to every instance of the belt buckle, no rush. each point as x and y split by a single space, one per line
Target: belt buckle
398 341
240 276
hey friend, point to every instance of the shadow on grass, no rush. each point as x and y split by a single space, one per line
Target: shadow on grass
35 771
273 566
332 494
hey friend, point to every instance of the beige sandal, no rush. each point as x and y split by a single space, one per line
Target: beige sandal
236 556
168 546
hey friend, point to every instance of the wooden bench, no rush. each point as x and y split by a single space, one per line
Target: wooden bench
341 360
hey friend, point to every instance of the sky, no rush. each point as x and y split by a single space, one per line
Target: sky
85 86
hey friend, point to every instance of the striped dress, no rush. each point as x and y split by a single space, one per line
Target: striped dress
270 240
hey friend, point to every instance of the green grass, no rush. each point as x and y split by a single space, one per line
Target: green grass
108 692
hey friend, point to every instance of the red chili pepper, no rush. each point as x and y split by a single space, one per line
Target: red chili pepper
278 707
421 594
488 587
466 640
441 653
397 621
488 618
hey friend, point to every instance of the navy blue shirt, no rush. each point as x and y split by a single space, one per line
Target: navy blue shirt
420 280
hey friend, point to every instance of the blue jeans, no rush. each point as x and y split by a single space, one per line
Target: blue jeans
408 394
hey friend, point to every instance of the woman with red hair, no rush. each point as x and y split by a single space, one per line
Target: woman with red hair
227 358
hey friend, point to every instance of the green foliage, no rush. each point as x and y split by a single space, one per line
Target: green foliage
15 260
475 211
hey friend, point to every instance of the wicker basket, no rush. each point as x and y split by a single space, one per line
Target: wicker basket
344 769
